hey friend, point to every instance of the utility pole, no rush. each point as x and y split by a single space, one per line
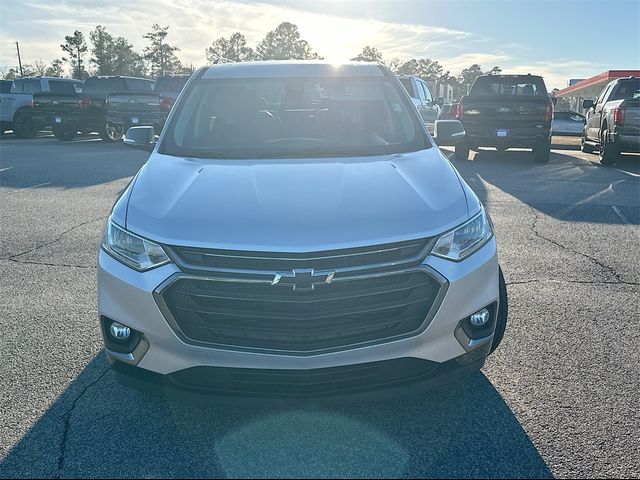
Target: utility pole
19 61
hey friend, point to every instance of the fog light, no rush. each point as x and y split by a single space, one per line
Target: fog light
480 318
119 332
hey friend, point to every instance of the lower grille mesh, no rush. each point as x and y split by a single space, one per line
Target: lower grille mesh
277 318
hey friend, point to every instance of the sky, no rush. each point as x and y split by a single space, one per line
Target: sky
559 39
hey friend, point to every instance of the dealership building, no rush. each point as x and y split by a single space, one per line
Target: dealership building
590 88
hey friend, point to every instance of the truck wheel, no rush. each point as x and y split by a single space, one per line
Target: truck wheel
608 151
503 311
23 126
64 134
542 151
584 146
112 132
462 152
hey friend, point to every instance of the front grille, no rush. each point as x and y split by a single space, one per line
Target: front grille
305 383
405 253
348 311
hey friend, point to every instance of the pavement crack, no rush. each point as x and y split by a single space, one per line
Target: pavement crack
51 242
68 265
67 422
612 271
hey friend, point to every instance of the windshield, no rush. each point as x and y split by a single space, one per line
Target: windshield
293 117
526 85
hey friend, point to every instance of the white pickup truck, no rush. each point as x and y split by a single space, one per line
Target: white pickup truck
17 105
422 98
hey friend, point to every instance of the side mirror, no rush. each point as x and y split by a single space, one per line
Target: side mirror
587 104
448 132
439 101
141 138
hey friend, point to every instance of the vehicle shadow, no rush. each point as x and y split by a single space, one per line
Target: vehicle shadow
567 188
98 428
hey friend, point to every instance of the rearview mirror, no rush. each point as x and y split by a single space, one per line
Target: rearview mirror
448 132
141 138
587 104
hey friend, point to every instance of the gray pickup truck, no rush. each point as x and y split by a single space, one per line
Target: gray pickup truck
16 107
613 120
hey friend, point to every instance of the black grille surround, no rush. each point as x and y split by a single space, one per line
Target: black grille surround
298 304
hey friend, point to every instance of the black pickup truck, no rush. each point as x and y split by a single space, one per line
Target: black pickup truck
613 120
506 111
60 111
87 112
143 108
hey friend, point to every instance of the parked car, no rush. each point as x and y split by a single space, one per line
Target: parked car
505 111
420 94
130 108
60 111
16 107
91 116
567 123
613 120
448 111
169 87
5 86
296 231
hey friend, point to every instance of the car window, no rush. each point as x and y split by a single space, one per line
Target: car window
427 92
103 85
408 85
527 85
57 86
5 86
604 93
170 84
293 117
421 93
138 84
27 85
561 115
627 90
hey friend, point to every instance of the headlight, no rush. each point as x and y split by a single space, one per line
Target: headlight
461 242
133 251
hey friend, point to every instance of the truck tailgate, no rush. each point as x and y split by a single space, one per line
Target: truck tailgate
56 104
503 111
133 103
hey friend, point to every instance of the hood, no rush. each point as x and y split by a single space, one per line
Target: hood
295 205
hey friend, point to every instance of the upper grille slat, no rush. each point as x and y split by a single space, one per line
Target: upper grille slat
391 254
230 299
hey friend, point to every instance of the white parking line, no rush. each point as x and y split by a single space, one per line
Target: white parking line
5 169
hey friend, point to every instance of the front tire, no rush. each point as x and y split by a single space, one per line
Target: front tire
503 312
112 132
23 126
608 151
462 152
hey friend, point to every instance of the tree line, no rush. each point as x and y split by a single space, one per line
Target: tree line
107 54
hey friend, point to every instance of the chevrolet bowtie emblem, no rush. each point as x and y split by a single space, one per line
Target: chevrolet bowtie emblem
302 279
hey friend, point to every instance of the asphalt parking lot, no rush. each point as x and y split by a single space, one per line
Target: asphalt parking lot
559 398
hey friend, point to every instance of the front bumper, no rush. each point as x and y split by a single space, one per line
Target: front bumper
127 296
134 120
517 137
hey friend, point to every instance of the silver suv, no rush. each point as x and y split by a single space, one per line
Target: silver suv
297 232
